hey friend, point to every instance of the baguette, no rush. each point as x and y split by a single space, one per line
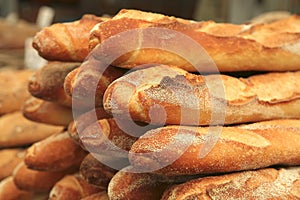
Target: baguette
83 120
9 191
13 89
66 41
18 131
173 96
47 112
261 184
181 150
89 82
48 82
95 172
55 153
72 187
106 136
36 181
10 158
245 47
135 186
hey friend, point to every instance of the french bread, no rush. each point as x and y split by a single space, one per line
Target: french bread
83 120
18 131
135 186
47 112
72 187
47 83
55 153
36 181
172 96
9 191
66 41
182 150
107 136
13 87
245 47
89 82
95 172
10 158
261 184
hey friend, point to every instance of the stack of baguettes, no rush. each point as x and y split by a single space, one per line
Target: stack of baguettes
40 160
257 149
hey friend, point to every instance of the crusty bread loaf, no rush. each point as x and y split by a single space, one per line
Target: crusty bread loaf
181 150
135 186
13 89
10 158
172 96
47 112
9 191
87 118
55 153
16 130
246 47
72 187
37 181
261 184
89 82
95 172
66 41
107 136
48 82
83 120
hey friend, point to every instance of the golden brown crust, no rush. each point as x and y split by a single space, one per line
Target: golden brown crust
47 112
66 41
72 187
167 95
84 120
126 185
55 153
16 130
9 191
37 181
48 82
89 82
106 136
261 184
13 89
10 158
231 47
237 148
95 172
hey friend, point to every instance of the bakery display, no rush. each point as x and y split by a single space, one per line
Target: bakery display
127 116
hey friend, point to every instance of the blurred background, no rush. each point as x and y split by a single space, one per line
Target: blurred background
236 11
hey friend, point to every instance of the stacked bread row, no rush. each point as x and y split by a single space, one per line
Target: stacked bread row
165 131
17 134
40 160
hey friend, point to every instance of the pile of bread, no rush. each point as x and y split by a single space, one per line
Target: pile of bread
148 123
